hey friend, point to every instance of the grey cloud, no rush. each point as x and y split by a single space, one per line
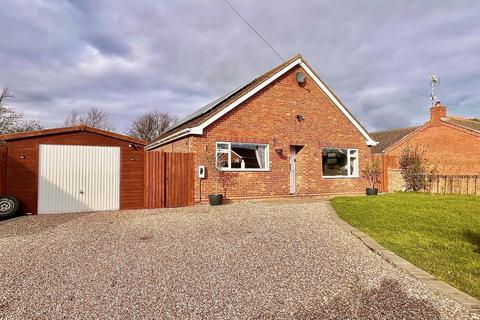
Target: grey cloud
129 57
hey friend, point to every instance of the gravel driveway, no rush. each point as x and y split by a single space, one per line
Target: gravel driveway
251 260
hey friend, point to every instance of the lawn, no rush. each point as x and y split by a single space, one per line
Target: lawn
438 233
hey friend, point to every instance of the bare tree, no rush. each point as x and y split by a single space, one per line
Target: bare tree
94 117
150 125
12 121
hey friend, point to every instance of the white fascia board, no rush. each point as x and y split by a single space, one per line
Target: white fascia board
248 95
370 141
198 130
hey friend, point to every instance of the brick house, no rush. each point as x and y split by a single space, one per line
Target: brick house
450 143
283 133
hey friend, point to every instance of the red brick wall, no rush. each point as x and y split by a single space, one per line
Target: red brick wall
270 117
451 149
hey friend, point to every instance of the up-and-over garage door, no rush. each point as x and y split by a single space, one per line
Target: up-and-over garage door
78 178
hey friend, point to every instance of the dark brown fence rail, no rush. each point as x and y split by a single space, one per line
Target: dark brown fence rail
3 167
453 184
169 179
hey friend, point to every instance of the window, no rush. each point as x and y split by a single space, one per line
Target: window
242 156
340 162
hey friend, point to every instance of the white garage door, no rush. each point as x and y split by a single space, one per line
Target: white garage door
78 178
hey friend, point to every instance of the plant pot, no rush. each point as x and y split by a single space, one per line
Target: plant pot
215 199
371 191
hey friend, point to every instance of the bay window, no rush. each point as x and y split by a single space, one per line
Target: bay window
242 156
338 162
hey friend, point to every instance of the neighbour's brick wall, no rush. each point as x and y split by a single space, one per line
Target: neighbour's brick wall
451 149
270 117
395 180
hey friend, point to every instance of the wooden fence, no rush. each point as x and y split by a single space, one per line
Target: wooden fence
453 184
3 167
386 162
169 179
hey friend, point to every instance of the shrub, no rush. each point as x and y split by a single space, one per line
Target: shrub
223 178
414 168
372 172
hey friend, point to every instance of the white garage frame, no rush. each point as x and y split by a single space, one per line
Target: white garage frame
75 178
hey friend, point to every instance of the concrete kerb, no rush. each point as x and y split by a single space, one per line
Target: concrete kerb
469 302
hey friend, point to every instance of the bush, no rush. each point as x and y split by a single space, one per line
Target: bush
414 168
372 172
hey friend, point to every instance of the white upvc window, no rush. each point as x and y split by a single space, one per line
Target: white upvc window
340 163
235 156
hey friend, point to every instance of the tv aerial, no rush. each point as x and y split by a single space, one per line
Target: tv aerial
434 80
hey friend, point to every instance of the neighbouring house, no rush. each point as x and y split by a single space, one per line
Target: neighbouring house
283 133
72 169
450 143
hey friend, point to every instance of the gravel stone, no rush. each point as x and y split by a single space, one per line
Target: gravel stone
248 260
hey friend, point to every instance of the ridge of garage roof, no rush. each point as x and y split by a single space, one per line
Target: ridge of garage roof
83 128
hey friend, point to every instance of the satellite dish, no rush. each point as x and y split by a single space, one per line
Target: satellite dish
300 77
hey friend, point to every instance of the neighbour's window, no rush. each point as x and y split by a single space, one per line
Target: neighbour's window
338 162
242 156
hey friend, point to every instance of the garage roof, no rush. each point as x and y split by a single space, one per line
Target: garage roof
46 132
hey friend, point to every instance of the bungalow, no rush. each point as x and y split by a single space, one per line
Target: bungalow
283 133
450 143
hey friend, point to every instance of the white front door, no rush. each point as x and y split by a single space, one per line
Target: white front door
78 178
293 161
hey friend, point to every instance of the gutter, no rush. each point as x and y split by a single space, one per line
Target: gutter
175 136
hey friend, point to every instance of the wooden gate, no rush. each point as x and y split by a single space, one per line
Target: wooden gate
169 179
386 162
3 167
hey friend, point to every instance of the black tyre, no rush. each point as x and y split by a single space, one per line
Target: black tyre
8 207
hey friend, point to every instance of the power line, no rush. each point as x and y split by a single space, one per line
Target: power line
244 20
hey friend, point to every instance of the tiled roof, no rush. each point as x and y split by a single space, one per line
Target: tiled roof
469 123
219 104
388 137
215 107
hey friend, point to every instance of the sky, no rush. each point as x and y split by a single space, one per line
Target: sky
129 57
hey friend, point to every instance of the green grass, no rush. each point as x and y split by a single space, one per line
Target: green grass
438 233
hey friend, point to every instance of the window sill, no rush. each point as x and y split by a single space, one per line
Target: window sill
340 177
245 170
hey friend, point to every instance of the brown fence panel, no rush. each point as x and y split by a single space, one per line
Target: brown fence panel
179 184
454 184
169 179
154 180
3 168
386 162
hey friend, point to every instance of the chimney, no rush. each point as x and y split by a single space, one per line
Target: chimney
437 112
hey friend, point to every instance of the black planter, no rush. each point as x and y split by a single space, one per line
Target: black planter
371 191
215 199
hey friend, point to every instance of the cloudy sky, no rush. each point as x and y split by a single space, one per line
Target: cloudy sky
134 56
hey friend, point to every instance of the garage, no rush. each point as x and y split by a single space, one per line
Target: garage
78 178
74 169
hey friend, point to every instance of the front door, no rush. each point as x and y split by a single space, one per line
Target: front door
293 161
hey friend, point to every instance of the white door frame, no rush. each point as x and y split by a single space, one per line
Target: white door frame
293 169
